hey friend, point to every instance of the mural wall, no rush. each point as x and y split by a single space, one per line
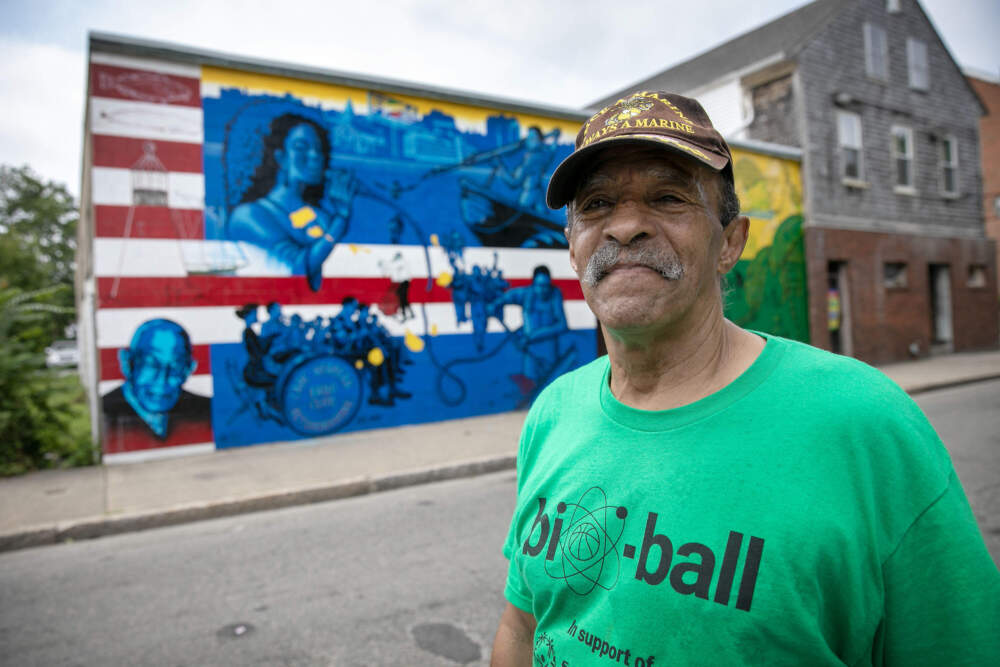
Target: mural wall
279 259
767 287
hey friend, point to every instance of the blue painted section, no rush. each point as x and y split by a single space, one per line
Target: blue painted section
445 381
409 177
289 181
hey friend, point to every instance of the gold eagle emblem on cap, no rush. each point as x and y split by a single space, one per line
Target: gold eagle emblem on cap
630 108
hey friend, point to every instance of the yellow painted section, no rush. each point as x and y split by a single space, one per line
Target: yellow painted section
302 217
339 95
770 191
414 343
375 356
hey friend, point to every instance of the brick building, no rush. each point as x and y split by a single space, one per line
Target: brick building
898 260
988 89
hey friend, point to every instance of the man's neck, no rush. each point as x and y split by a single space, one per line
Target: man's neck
680 366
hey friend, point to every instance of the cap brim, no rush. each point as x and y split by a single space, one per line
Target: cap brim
562 185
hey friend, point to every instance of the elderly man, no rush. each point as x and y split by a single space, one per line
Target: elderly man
709 495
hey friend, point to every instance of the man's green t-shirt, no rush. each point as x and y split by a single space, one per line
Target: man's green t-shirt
806 514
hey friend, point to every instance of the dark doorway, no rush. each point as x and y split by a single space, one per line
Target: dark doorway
939 285
838 308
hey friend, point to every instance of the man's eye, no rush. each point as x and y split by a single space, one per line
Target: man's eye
595 203
668 199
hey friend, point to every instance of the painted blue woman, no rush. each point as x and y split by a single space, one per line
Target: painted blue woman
296 207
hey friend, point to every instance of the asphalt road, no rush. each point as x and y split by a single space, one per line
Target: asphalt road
409 577
968 420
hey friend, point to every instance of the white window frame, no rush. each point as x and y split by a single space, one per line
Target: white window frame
909 187
876 52
850 138
917 65
949 140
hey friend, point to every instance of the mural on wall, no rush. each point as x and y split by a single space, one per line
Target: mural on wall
330 258
278 259
767 287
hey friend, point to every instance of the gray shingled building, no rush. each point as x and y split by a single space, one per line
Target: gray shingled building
888 126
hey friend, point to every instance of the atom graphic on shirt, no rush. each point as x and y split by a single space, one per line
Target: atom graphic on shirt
544 653
587 554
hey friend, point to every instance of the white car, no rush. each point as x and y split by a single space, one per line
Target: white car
62 353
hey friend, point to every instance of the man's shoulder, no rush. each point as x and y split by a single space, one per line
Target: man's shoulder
834 374
114 401
824 389
569 390
193 402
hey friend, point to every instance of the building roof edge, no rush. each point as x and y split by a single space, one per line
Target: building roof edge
125 45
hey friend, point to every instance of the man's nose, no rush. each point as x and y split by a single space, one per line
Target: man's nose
629 222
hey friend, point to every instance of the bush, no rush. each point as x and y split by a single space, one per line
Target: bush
43 413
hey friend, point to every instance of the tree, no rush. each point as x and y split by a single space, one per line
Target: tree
43 415
38 221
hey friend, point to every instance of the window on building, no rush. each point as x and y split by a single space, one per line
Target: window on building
916 59
849 140
876 52
977 276
949 166
892 6
996 206
894 275
902 157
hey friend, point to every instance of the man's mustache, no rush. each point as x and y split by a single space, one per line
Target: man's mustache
612 253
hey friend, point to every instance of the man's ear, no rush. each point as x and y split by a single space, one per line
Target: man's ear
125 362
734 240
572 253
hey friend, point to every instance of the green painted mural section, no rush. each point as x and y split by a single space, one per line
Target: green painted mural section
768 293
767 287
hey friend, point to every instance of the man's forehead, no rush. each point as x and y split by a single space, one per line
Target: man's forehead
164 341
617 160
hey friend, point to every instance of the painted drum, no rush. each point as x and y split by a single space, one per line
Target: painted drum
319 394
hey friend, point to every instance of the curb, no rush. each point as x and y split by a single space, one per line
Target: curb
94 527
85 529
948 384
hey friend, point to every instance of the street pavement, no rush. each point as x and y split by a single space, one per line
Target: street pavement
54 506
412 576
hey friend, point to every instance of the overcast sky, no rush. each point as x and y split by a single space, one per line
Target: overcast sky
565 53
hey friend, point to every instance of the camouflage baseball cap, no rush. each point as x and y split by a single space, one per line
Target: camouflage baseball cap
672 121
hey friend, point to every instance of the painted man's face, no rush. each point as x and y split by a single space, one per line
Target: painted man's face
159 364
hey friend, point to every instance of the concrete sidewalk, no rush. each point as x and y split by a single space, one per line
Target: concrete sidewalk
57 505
